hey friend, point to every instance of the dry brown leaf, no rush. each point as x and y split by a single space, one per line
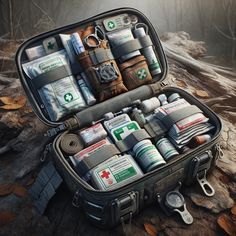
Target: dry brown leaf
233 210
19 191
6 189
12 103
6 100
182 84
202 93
227 224
150 229
6 217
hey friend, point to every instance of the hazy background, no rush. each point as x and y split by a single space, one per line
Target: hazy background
212 21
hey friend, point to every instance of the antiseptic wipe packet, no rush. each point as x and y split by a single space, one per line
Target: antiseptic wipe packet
62 96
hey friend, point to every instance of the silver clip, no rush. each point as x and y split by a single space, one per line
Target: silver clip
220 151
205 185
185 215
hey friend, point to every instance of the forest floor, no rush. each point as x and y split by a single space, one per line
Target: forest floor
22 145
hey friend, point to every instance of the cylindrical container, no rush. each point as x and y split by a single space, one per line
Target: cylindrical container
147 155
200 139
138 116
166 148
163 99
150 105
173 97
88 96
149 53
77 43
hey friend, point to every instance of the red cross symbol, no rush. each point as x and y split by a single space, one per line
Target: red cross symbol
105 174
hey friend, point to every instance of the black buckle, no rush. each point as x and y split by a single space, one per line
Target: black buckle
76 199
106 73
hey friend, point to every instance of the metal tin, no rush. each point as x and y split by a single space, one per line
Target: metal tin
173 97
150 105
115 173
147 155
93 134
166 148
121 132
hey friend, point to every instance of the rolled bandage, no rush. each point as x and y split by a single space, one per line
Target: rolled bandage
71 144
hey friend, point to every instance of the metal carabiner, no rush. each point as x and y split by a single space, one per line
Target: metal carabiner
98 36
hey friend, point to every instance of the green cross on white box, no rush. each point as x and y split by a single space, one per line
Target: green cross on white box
122 132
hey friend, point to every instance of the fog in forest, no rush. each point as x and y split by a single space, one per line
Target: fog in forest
212 21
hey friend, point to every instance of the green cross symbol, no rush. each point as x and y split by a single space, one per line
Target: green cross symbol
68 97
50 45
142 73
111 24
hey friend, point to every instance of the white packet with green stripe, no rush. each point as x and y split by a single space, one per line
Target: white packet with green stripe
62 96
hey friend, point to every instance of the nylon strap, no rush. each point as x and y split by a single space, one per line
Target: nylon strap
131 46
51 76
97 158
100 55
132 139
180 114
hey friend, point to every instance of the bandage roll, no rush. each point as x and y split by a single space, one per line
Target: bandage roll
150 105
71 144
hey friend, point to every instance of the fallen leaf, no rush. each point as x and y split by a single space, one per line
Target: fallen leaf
6 189
150 229
233 210
182 84
202 93
6 100
12 103
19 191
227 224
6 217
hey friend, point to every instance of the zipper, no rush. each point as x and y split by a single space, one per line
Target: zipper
45 152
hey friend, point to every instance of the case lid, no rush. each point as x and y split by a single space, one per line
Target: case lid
32 93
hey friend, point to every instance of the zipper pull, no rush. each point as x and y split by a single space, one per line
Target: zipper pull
220 151
45 152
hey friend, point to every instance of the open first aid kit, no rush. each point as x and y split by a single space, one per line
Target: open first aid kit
122 138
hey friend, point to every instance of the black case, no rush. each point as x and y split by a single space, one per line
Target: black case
108 208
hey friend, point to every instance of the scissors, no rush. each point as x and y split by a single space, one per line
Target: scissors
98 36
